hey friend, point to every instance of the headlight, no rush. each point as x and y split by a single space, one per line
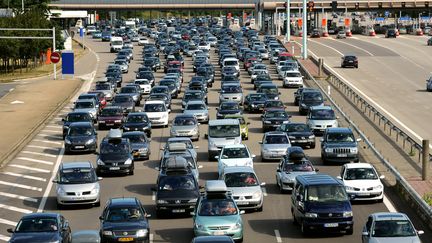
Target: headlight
311 215
256 195
95 190
238 225
164 116
107 232
60 191
193 200
67 141
354 150
141 233
128 162
117 121
312 136
101 121
328 150
100 162
143 150
65 127
199 226
348 214
349 188
291 137
285 122
267 122
162 202
379 187
90 141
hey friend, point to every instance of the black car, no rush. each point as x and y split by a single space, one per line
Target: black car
115 77
140 144
349 61
72 117
309 98
125 101
390 33
297 94
270 89
207 74
81 137
299 134
315 33
228 108
172 87
177 188
254 102
124 220
115 155
273 118
41 227
151 63
137 121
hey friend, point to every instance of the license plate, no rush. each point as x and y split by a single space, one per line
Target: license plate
363 194
302 141
178 210
331 225
77 198
218 233
114 168
109 124
125 239
242 203
79 147
342 155
350 61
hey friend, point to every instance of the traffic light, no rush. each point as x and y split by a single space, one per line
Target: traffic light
311 5
357 5
334 6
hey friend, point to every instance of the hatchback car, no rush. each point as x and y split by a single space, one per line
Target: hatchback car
349 61
88 106
231 92
320 118
140 144
270 89
198 109
234 155
273 118
81 137
185 125
77 183
274 145
228 108
137 121
157 112
299 134
111 117
125 101
255 102
72 117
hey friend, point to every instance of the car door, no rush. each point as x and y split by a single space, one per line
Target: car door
64 229
299 202
279 171
367 230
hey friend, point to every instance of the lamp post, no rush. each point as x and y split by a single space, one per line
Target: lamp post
22 5
288 21
304 30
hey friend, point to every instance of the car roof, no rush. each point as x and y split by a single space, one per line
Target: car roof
154 102
177 139
389 216
223 122
37 215
235 146
275 133
72 165
184 115
321 107
318 179
85 100
339 130
214 186
123 201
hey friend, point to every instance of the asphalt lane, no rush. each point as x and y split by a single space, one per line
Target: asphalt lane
259 227
392 72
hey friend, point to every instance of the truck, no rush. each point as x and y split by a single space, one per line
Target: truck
116 43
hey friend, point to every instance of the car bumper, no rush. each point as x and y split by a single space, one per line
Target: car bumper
365 196
116 239
159 122
120 169
78 200
249 204
80 147
175 208
302 142
292 84
141 154
287 186
340 158
234 234
109 124
272 155
330 226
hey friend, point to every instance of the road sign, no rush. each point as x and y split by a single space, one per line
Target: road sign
81 32
68 62
55 57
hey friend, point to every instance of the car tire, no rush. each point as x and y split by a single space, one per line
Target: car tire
349 231
312 145
356 66
304 229
240 240
132 172
380 200
60 206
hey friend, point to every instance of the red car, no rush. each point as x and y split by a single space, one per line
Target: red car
248 62
101 96
111 117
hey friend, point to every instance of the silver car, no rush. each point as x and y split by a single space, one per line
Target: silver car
124 65
274 145
320 118
77 183
199 109
185 125
88 105
245 187
231 92
168 150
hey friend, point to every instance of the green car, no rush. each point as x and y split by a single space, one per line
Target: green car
216 213
243 125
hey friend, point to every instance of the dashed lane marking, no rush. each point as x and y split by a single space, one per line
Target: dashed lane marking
36 160
37 153
8 222
4 238
24 198
16 209
46 141
24 176
43 147
29 168
53 131
49 136
33 188
278 237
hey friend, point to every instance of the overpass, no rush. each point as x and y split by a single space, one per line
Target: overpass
235 4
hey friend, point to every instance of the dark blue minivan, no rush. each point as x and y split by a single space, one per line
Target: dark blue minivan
320 203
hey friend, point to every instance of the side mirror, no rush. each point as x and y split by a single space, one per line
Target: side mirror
316 170
206 136
169 110
262 184
365 233
100 178
278 170
359 139
63 119
65 226
96 153
192 213
148 215
101 218
339 177
10 231
420 232
54 181
242 212
382 177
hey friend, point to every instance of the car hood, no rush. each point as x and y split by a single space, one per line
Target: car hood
225 141
193 112
109 118
126 226
244 191
183 128
113 158
330 207
155 114
139 124
231 94
281 119
79 187
292 175
276 147
177 195
322 122
79 139
137 146
84 110
35 237
300 134
258 102
237 162
362 183
229 111
410 239
208 221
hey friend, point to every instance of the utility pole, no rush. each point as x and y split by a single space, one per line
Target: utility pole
305 54
288 21
22 5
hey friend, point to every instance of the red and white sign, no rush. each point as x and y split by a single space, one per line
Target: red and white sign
55 57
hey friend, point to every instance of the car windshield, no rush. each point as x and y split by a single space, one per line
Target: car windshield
111 112
114 148
39 224
322 115
295 128
103 87
305 166
276 114
241 179
136 118
312 96
184 121
269 90
276 139
231 63
135 138
122 99
360 174
176 183
196 107
235 153
77 176
142 82
78 117
124 214
84 105
80 131
128 90
258 97
229 106
340 137
274 103
217 207
350 58
292 75
220 131
190 96
326 193
231 89
393 228
159 90
154 108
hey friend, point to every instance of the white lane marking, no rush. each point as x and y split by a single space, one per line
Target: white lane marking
11 89
49 136
33 188
389 205
151 238
16 209
29 168
37 153
54 126
24 176
200 166
153 196
334 49
17 102
5 194
50 183
362 49
43 147
36 160
45 141
8 222
278 237
264 190
53 131
58 118
4 238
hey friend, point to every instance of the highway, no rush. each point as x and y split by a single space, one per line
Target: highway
274 224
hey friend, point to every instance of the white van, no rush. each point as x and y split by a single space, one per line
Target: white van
222 132
116 43
231 62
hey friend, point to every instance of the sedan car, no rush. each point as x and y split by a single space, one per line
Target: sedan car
140 144
125 101
185 125
274 145
228 108
88 106
41 227
234 155
81 137
137 121
72 117
349 61
299 134
111 116
255 102
273 118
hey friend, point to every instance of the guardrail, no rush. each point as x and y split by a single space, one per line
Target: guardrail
423 209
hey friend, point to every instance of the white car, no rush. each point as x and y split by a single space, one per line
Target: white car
234 155
292 79
157 112
362 181
142 41
204 45
144 84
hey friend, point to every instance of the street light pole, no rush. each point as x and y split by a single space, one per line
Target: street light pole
22 5
288 22
305 54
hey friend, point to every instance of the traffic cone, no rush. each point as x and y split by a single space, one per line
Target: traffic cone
372 33
419 32
325 34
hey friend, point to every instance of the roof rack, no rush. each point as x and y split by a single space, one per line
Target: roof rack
177 147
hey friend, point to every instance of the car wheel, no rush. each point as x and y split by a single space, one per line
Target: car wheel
60 206
380 200
240 240
260 209
132 172
294 218
350 231
356 66
312 146
324 161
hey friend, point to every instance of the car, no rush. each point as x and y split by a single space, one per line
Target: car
349 61
230 71
198 109
172 87
81 137
390 33
362 181
41 227
143 41
390 227
292 164
77 183
274 145
185 125
193 95
429 84
228 108
110 116
132 91
160 97
243 125
137 121
339 145
299 134
124 65
140 144
321 118
297 94
72 117
115 155
245 187
157 112
177 188
273 118
216 213
274 105
341 34
125 101
429 42
170 150
234 155
95 97
107 88
270 89
231 92
88 105
254 102
292 79
309 98
160 90
222 132
124 219
144 85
